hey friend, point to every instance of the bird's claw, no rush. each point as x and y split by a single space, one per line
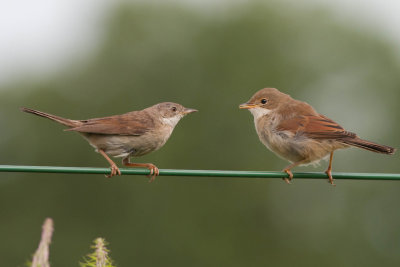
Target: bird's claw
329 173
114 171
154 171
288 180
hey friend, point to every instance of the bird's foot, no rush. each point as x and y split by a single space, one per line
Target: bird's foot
288 180
154 172
114 171
329 173
153 169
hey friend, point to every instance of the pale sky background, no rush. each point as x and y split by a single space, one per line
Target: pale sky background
41 37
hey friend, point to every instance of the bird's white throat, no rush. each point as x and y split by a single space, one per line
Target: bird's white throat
172 121
259 112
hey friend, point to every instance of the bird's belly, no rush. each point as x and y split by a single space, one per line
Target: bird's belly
125 145
295 149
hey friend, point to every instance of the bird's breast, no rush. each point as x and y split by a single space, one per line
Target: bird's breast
266 130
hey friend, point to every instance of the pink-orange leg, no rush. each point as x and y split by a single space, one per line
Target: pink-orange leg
329 170
153 169
114 168
289 172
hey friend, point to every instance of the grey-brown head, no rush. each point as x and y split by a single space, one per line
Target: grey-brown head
171 112
265 101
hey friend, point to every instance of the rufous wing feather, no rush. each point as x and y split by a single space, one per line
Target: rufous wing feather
118 125
314 126
321 127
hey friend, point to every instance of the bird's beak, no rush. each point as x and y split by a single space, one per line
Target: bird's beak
189 110
247 106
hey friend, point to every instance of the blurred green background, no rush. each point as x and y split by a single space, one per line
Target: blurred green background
211 60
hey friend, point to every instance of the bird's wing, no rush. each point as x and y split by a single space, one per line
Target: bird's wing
116 125
314 126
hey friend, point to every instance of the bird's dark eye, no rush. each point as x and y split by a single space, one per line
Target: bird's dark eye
173 109
264 101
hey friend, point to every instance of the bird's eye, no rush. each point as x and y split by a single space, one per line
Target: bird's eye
264 101
173 109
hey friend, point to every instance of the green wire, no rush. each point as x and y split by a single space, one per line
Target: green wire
199 173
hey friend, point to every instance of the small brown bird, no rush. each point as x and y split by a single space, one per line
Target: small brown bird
132 134
296 132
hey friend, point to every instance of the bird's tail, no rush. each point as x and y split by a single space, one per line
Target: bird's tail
368 145
66 122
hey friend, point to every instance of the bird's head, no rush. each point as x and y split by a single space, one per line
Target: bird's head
171 113
264 102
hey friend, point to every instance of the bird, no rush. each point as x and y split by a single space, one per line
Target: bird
295 131
131 134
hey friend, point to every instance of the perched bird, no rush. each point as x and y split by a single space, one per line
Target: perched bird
132 134
296 132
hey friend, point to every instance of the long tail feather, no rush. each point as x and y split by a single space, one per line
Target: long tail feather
66 122
368 145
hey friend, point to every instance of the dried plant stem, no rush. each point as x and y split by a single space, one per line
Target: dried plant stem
41 256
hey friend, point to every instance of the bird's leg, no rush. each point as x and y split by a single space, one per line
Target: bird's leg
114 168
329 170
289 172
153 169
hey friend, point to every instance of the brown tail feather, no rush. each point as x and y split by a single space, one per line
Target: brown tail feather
357 142
66 122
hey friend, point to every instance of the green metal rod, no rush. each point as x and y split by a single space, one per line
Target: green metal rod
199 173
